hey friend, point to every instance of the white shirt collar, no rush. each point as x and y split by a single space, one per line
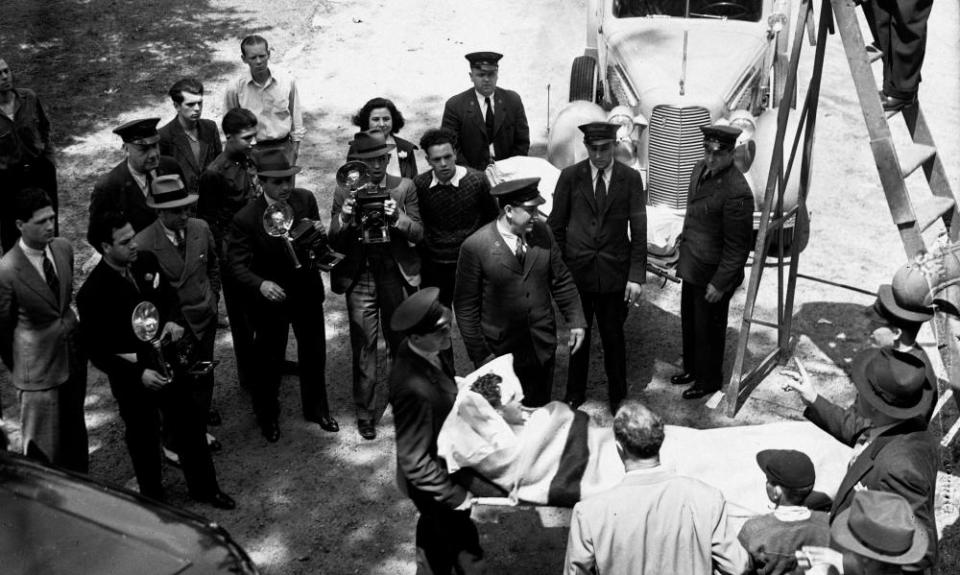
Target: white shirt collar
32 252
481 101
646 470
506 232
458 173
171 235
791 513
249 78
607 173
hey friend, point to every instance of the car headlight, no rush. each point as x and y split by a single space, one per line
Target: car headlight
743 120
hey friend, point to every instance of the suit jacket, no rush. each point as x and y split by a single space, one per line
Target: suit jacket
654 522
717 229
500 306
407 232
118 191
196 279
511 135
175 143
421 396
106 301
595 243
37 329
254 256
406 158
903 459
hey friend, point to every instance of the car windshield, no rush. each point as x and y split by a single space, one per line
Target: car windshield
749 10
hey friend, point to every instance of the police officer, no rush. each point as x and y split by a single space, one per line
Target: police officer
715 243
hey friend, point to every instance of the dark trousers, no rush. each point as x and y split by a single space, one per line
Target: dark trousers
200 387
241 328
141 410
899 28
536 378
611 313
38 173
447 541
704 328
370 304
271 325
439 275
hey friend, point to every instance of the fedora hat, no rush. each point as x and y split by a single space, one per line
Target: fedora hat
895 383
908 296
167 192
369 144
880 525
273 163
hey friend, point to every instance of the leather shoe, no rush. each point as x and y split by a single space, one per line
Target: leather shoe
326 423
366 428
219 499
696 392
574 403
213 418
271 431
682 379
894 104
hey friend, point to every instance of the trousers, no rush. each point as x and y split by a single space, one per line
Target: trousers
611 313
704 327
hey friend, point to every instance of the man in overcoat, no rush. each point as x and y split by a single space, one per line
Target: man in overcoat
509 276
281 294
715 243
39 340
422 392
125 188
192 141
490 122
374 277
599 220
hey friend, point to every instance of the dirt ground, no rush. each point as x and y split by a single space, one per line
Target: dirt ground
322 503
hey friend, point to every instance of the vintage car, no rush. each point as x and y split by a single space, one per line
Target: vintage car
662 69
54 521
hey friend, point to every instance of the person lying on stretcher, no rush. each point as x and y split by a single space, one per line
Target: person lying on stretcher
556 456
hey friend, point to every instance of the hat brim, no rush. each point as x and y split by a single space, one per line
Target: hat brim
860 381
291 171
148 141
190 199
375 154
532 202
885 295
841 534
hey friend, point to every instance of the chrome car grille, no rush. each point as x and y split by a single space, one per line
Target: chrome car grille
675 145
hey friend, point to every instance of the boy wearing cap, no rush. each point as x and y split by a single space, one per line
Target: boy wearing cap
714 245
509 276
599 220
282 295
374 277
125 188
490 122
422 393
772 539
185 249
887 428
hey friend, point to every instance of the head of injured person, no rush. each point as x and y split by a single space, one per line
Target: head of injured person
638 432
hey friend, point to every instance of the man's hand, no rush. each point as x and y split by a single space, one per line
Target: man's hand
272 291
153 380
468 502
801 383
577 336
713 294
346 210
174 330
390 211
633 293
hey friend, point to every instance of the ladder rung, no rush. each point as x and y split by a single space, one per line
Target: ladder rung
914 156
761 322
931 210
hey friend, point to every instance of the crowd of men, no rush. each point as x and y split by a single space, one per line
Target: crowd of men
186 217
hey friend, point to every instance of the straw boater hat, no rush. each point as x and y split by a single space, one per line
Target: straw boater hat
880 525
167 192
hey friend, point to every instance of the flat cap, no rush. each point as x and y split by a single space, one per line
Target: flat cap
142 132
417 310
486 61
787 468
596 132
522 191
724 135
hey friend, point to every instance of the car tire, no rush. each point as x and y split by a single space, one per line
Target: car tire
583 79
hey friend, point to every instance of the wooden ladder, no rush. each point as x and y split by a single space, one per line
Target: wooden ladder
893 166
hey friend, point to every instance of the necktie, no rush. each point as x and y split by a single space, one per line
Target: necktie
181 243
521 250
601 191
50 274
149 179
488 118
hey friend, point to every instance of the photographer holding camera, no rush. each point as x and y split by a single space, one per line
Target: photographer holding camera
284 290
375 226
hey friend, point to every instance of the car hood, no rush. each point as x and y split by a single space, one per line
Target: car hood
719 55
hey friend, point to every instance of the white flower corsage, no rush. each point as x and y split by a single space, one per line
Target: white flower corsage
402 154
